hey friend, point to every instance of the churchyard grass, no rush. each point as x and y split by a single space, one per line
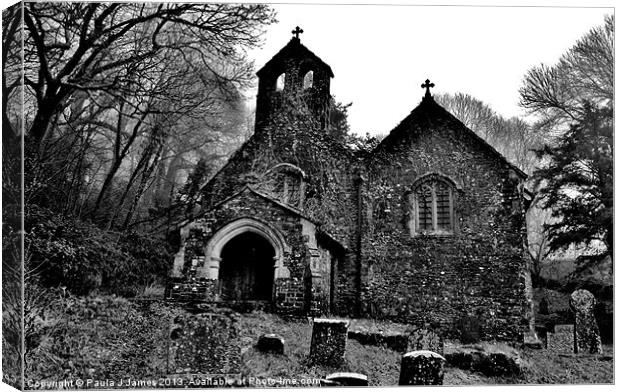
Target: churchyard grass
382 365
111 337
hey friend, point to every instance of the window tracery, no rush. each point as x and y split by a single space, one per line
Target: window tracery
432 206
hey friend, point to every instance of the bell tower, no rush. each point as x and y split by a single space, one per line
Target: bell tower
294 76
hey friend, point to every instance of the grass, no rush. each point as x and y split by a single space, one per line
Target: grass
382 365
153 291
100 337
105 337
552 368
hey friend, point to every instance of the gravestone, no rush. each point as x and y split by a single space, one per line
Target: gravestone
346 379
469 328
587 337
421 368
203 343
271 343
329 340
425 339
562 339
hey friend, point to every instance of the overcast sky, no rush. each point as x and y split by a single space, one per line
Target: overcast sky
381 55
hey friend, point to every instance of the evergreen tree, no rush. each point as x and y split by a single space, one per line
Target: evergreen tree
577 182
338 119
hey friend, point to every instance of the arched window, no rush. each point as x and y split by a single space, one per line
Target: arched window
432 207
308 80
285 182
280 82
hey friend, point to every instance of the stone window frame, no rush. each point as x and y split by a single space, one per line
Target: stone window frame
280 82
413 205
305 67
213 249
308 77
289 168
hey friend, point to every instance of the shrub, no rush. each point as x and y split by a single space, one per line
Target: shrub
99 337
82 257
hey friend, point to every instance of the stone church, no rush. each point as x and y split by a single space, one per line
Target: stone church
427 229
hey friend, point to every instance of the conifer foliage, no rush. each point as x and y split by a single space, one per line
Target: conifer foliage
577 183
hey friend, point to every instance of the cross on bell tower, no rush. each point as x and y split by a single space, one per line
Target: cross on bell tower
297 31
428 85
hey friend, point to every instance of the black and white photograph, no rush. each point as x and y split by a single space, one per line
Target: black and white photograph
242 194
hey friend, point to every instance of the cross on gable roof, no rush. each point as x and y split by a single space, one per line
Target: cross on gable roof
428 85
297 31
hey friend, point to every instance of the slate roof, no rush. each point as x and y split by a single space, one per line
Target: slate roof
293 49
286 207
250 189
428 113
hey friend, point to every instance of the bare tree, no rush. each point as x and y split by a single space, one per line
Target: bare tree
12 33
115 91
71 47
474 113
538 248
585 72
513 138
573 100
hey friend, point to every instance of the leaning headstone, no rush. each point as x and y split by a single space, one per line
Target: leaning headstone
425 339
587 336
562 340
346 379
421 368
329 340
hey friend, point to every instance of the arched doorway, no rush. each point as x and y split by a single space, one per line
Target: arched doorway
246 269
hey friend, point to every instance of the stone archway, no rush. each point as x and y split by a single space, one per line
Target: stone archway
245 226
246 270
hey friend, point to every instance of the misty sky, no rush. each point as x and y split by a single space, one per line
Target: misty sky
381 54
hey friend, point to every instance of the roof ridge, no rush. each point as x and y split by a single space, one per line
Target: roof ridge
433 104
294 44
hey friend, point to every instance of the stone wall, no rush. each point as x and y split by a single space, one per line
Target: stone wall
323 281
295 137
189 289
271 102
477 270
300 285
251 206
381 269
290 296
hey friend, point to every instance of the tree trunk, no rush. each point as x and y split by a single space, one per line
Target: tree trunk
106 184
146 175
146 154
